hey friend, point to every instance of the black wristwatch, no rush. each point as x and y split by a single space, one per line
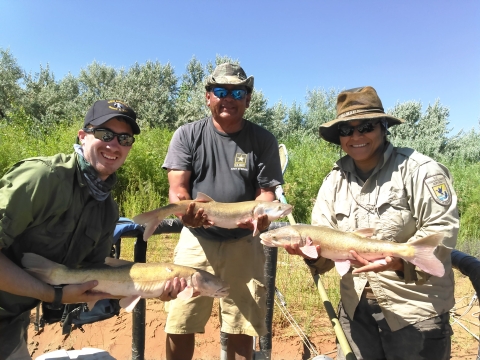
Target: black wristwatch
57 300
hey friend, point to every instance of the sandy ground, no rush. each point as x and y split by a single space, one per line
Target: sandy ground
115 336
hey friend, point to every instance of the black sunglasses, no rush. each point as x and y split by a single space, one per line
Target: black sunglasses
365 127
237 94
108 135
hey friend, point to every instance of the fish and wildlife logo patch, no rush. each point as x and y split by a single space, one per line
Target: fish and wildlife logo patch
240 161
439 189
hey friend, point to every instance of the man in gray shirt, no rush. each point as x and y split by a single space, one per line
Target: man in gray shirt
231 160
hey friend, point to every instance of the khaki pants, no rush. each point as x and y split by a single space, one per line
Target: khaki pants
238 262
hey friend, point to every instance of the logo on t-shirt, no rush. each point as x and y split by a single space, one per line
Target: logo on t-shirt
438 187
240 160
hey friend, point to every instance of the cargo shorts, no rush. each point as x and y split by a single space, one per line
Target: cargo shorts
240 263
370 336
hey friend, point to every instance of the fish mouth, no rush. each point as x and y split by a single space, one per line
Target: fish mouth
222 292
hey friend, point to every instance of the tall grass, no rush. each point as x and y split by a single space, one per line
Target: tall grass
142 185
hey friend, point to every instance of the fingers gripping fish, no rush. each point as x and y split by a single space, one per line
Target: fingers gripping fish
336 245
127 280
224 215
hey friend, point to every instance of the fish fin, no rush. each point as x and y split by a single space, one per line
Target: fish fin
186 293
310 251
255 228
203 197
113 262
424 256
128 303
342 266
40 267
367 232
151 219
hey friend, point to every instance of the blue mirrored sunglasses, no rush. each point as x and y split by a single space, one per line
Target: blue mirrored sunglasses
237 94
108 135
365 127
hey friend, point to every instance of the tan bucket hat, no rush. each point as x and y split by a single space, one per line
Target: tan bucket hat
229 74
360 103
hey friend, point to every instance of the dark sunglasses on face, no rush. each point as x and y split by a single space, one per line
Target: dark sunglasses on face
365 127
108 135
237 94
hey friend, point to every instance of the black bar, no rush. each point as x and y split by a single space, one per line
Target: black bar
271 254
138 316
169 226
469 266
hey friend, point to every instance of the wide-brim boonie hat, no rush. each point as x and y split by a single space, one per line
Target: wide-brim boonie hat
104 110
360 103
229 74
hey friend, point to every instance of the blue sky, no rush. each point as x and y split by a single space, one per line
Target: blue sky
407 50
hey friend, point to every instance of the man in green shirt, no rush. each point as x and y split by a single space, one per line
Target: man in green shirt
60 207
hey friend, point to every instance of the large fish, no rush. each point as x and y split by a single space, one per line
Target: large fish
224 215
336 245
128 280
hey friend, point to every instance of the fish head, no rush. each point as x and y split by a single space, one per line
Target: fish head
274 210
286 235
209 285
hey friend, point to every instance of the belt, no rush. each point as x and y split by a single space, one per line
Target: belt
368 293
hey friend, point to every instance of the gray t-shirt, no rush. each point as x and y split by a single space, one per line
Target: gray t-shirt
226 167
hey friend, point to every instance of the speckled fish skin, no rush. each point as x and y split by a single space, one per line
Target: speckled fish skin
224 215
126 279
336 245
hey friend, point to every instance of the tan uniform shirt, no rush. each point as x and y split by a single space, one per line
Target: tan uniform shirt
408 196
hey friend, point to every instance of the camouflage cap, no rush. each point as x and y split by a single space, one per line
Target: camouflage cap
229 74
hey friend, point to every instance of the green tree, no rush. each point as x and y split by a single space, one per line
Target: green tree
190 104
321 108
150 89
427 133
10 75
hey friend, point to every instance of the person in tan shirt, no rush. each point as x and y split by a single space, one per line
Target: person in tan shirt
392 310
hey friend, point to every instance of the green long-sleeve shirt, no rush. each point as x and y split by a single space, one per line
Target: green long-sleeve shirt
46 208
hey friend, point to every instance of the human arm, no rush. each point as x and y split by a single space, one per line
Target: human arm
179 181
433 213
17 281
363 265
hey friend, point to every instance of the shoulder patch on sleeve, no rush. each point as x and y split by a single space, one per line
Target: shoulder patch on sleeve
439 189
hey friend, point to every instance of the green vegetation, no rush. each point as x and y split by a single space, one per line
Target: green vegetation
40 116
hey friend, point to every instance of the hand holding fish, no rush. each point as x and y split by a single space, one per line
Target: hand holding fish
224 215
294 249
262 223
195 219
363 265
173 287
338 245
82 293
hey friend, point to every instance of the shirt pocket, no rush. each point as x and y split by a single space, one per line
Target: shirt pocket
342 214
58 229
395 214
94 234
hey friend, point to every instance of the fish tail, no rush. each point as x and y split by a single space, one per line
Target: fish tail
41 267
424 256
151 219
